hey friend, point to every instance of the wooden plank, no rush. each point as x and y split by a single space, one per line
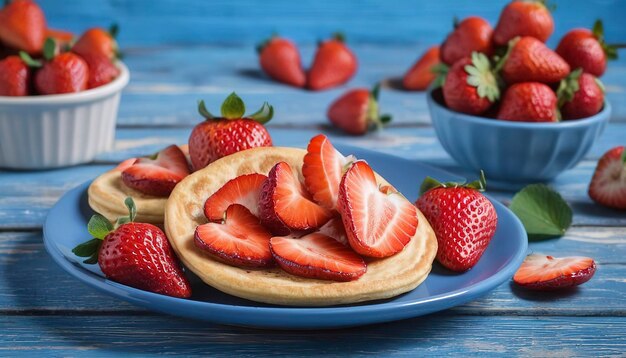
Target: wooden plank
24 260
435 335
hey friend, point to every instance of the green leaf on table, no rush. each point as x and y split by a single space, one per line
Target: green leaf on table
99 226
543 211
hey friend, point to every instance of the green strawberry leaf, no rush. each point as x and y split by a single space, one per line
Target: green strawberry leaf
543 212
203 111
624 156
264 114
29 61
88 249
481 76
441 70
49 49
132 209
598 30
99 226
568 87
114 30
233 107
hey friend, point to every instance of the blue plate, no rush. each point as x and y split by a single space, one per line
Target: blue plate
66 226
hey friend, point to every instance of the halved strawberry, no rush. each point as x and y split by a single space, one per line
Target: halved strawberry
317 256
240 240
334 228
244 190
541 272
322 170
157 175
608 185
125 164
285 205
378 223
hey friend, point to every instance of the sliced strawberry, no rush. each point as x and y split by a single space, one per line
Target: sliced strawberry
334 228
285 205
240 240
125 164
317 256
322 170
541 272
244 190
159 175
378 223
608 185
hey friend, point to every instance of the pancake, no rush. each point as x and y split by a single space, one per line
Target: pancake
384 278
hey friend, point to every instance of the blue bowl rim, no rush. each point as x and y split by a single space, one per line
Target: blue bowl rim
604 114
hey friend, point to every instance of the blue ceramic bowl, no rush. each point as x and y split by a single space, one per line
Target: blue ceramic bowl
513 154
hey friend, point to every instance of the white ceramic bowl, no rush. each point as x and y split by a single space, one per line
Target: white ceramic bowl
42 132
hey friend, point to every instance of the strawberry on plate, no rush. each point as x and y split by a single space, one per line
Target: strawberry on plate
523 18
334 228
471 86
530 60
379 222
586 49
322 169
98 41
317 256
463 219
473 34
217 137
608 184
422 74
529 102
580 95
286 206
333 64
244 190
134 254
157 175
14 77
240 240
541 272
280 59
23 26
356 111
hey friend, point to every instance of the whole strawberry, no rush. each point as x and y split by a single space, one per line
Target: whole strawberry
608 184
280 59
134 254
463 219
523 18
580 95
14 77
333 64
529 102
530 60
102 70
98 41
356 111
470 86
218 137
473 34
422 73
586 49
23 26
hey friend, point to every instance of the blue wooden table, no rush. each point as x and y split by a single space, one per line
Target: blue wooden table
180 53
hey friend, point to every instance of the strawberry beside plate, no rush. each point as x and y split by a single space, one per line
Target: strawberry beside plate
67 220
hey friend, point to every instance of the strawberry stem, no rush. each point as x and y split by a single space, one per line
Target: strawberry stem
132 212
114 30
431 183
339 36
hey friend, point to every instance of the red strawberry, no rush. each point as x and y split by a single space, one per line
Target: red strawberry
529 102
463 219
530 60
280 59
244 190
23 26
540 272
580 95
240 240
356 111
523 18
378 223
218 137
470 86
101 70
334 228
14 77
608 185
317 256
473 34
61 37
134 254
158 175
97 41
64 73
285 205
333 64
421 74
322 169
125 164
582 48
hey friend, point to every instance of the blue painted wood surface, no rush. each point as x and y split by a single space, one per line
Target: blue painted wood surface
181 52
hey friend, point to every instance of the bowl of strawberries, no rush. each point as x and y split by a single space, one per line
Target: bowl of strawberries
59 95
513 107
